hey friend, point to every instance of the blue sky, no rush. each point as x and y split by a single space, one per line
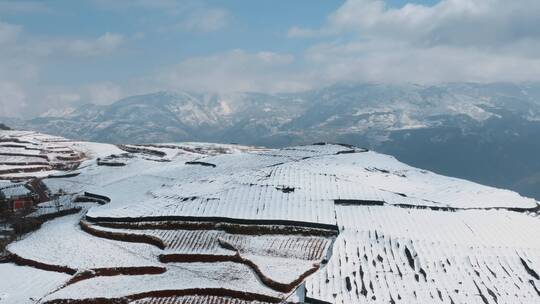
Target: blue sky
59 53
250 25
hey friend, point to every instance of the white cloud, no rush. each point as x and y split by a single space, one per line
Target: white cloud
454 40
61 47
102 93
23 88
12 99
205 20
17 7
8 32
233 71
362 40
57 99
391 61
104 44
145 4
191 16
450 22
299 32
15 41
62 98
366 40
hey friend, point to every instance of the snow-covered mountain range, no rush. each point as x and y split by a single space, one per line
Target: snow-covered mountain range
484 132
372 111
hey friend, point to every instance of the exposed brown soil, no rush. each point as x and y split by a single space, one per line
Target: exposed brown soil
75 157
25 155
221 292
227 227
43 266
64 175
142 150
201 163
215 220
195 299
25 169
110 163
88 197
84 275
25 163
109 272
29 224
434 208
125 237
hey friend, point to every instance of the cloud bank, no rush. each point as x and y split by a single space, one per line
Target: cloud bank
360 41
22 57
367 40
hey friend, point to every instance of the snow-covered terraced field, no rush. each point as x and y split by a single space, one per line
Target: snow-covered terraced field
280 258
22 160
389 254
60 243
383 172
194 223
25 155
229 278
20 284
248 205
180 241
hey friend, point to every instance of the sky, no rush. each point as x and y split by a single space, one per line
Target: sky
62 53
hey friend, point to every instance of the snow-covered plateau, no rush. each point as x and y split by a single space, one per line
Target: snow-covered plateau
197 223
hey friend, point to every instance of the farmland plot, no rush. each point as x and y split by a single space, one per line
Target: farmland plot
194 223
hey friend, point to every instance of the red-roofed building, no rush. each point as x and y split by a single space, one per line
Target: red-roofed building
17 197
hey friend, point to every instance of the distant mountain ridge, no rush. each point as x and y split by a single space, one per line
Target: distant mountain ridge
485 132
373 109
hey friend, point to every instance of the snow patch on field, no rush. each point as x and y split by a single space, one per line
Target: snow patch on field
61 242
225 275
22 285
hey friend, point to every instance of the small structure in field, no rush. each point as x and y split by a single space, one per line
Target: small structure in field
17 197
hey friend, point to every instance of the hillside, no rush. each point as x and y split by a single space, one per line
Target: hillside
320 223
481 132
26 154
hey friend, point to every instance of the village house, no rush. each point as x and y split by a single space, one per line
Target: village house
17 197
